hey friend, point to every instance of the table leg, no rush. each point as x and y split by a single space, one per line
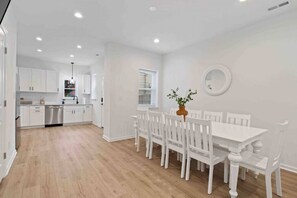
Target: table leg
135 131
235 158
257 146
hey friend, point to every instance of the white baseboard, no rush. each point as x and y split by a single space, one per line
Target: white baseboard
10 162
289 168
118 138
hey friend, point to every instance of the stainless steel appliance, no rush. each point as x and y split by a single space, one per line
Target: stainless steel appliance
53 115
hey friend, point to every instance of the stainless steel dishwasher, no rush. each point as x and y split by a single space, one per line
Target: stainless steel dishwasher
53 115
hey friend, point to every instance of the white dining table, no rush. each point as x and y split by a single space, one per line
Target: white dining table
236 138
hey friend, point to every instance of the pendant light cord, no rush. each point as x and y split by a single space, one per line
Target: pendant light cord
72 70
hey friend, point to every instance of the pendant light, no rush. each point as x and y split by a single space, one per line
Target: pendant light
72 81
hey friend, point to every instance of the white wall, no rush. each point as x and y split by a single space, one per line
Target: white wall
121 67
10 24
262 59
65 73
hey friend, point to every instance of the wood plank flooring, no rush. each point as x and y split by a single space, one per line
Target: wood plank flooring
74 161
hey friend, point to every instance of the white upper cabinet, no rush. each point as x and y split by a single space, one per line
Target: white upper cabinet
52 81
86 84
38 80
38 77
25 79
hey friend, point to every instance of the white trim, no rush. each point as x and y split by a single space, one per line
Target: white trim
118 138
10 162
288 168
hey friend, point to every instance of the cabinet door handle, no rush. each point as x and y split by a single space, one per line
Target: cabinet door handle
32 88
29 88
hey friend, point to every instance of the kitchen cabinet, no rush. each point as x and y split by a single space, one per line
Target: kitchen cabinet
32 116
25 79
52 81
86 84
25 116
73 114
77 114
88 113
32 80
37 115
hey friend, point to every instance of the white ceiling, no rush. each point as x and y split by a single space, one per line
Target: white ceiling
177 23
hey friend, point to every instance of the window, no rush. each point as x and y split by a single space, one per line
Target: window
69 89
147 88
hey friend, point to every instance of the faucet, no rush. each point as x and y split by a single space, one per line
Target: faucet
76 99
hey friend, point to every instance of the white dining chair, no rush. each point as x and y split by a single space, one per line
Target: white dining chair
238 119
197 114
213 116
142 130
200 147
243 120
175 139
173 111
266 165
156 128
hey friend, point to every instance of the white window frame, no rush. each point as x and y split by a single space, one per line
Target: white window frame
154 88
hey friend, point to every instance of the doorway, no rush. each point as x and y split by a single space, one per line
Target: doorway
2 89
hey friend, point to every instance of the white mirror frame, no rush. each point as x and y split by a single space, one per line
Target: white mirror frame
225 87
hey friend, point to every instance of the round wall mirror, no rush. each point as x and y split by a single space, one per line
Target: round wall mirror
216 80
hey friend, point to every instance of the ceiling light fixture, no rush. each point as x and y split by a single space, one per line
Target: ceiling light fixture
71 56
78 46
39 50
78 15
38 38
72 81
152 9
156 40
242 0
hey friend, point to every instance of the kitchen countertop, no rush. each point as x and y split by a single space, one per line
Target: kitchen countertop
55 104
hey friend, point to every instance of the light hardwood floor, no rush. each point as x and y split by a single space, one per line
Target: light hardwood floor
75 161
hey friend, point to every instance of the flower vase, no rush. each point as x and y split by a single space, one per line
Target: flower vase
182 111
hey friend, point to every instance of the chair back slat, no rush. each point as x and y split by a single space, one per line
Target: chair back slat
156 123
213 116
278 139
197 114
173 111
142 122
199 137
174 129
238 119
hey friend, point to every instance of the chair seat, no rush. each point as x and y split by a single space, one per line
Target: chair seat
254 161
219 155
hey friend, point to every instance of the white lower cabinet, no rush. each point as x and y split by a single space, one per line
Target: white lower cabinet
25 116
37 116
77 114
32 116
88 113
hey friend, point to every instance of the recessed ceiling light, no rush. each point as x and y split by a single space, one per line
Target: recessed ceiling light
242 0
78 46
78 15
39 50
71 56
156 40
152 8
38 38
